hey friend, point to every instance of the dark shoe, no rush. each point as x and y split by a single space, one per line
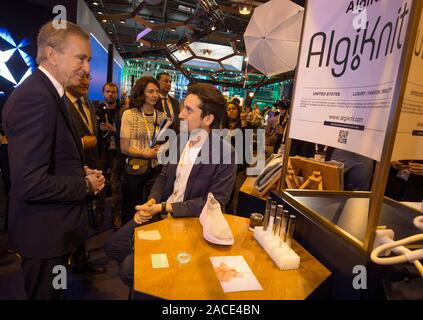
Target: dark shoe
89 267
117 223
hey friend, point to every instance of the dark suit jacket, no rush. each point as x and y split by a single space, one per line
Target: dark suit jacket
216 178
175 104
91 155
47 215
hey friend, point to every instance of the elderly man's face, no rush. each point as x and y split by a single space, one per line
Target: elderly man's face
72 60
82 88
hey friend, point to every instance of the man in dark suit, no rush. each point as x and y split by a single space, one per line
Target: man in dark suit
85 124
84 120
183 185
166 103
47 214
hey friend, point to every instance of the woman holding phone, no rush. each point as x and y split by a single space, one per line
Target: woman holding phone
140 123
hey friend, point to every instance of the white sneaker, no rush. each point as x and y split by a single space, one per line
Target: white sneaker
215 227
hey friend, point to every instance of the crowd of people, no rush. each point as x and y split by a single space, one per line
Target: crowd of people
66 156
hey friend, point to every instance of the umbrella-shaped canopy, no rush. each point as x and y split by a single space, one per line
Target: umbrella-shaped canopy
272 37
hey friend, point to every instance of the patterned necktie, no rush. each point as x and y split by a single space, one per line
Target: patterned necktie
167 109
81 110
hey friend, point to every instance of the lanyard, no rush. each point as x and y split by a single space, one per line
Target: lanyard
147 126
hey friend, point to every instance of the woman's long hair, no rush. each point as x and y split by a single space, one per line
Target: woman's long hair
226 121
138 96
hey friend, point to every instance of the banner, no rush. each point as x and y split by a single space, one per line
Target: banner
347 72
409 139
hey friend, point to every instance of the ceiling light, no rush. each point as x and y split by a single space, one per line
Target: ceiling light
95 3
251 94
245 9
213 28
143 33
122 21
100 12
104 20
238 40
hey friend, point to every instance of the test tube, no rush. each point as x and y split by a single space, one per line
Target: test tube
278 220
267 214
290 232
272 215
284 226
276 225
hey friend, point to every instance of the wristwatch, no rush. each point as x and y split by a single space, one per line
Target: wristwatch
163 208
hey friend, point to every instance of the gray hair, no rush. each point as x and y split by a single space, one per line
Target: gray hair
49 36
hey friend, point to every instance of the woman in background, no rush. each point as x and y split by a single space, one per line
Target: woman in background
140 123
232 122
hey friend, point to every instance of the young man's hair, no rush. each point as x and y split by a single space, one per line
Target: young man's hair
49 36
162 74
212 101
138 95
110 84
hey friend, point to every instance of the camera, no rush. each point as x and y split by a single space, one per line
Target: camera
102 117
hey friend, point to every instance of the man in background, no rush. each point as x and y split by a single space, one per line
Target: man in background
167 103
182 187
85 124
109 151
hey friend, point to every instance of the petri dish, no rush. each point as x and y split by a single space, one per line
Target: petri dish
183 257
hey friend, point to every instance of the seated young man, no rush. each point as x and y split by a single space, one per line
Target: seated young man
183 185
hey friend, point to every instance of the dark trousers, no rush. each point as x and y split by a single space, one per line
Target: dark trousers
39 276
111 165
232 205
135 191
80 256
120 248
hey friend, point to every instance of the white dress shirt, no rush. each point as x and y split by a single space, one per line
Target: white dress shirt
53 80
185 164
